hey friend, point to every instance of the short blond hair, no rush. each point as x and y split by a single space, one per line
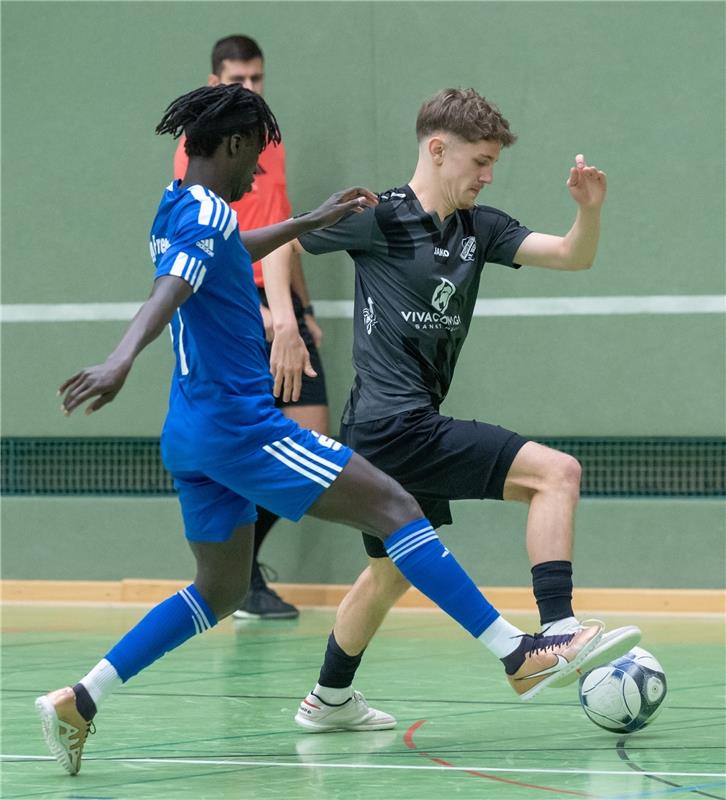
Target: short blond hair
465 113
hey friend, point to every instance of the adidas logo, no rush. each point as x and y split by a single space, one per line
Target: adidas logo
206 246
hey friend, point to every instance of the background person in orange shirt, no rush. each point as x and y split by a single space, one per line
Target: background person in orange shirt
239 59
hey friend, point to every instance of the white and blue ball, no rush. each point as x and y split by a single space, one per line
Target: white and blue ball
625 695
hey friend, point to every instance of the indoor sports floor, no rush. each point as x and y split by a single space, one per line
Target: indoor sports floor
214 719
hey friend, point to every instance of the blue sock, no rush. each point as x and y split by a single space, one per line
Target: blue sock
419 554
165 627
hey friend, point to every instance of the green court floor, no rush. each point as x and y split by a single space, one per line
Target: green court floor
214 719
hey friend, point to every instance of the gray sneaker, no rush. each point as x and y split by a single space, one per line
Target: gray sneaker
353 715
265 603
261 601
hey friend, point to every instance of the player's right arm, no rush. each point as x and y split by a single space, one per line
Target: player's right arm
104 381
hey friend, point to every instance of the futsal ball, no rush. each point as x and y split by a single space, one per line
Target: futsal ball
625 695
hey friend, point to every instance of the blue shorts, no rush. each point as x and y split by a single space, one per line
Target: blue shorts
285 476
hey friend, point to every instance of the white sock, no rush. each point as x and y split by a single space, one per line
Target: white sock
501 637
331 696
101 681
560 626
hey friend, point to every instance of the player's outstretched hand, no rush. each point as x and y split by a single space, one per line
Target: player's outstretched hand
587 184
104 382
289 359
355 199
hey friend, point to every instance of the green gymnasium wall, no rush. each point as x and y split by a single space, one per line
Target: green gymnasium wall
637 86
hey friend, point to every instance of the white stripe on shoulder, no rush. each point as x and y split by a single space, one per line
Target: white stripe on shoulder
206 207
218 207
231 225
225 217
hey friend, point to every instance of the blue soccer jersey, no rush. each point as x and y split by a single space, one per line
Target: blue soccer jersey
227 446
221 390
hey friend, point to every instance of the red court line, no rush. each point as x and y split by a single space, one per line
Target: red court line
408 739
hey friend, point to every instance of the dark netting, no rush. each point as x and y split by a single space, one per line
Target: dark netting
612 467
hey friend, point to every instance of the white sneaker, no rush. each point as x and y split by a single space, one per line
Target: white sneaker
353 715
612 645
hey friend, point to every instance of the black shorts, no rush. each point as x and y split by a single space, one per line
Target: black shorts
313 391
436 459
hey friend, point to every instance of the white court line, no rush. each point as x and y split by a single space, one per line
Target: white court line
343 309
419 767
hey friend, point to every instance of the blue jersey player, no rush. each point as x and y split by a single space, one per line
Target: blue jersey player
228 447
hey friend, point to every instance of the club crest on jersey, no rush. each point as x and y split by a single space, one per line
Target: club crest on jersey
468 248
369 317
442 295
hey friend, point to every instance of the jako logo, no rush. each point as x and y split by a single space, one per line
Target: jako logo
369 317
468 248
442 295
440 252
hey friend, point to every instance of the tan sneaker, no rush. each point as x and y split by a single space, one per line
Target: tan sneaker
64 729
547 659
612 645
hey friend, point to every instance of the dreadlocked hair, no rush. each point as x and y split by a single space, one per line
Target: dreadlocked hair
210 113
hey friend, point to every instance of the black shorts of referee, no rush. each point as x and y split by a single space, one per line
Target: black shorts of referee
436 459
313 391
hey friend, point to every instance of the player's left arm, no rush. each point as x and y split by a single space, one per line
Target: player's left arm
576 250
262 241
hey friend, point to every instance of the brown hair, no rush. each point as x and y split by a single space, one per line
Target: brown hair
465 113
234 48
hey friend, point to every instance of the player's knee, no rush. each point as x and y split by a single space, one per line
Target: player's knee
400 508
387 579
225 593
565 473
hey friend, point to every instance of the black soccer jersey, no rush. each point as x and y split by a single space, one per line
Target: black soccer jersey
416 283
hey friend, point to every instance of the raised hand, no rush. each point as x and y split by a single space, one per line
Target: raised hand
103 381
587 184
355 199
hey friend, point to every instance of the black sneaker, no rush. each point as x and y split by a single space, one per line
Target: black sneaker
262 602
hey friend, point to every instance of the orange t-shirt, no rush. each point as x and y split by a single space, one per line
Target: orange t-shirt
266 203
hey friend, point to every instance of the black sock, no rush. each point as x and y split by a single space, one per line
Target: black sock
265 520
514 660
84 702
552 587
338 668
